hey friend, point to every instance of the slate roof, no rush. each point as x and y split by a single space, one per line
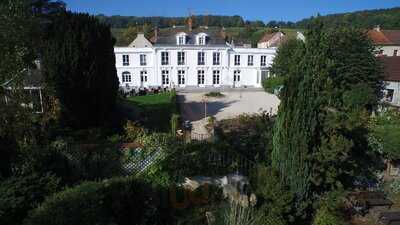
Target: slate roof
391 67
385 37
168 37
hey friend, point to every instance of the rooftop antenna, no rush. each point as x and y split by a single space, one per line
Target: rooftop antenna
206 19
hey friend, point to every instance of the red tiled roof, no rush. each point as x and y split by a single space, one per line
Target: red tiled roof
385 37
391 67
378 37
393 35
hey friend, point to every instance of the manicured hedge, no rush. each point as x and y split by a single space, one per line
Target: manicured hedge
122 201
20 194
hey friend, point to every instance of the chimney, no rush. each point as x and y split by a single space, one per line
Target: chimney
140 35
190 23
155 34
377 28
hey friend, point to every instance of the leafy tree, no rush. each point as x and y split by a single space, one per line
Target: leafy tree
16 56
320 140
79 69
385 133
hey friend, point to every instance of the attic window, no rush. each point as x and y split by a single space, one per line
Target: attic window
181 39
201 39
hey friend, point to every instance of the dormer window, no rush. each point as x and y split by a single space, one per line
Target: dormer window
181 39
201 39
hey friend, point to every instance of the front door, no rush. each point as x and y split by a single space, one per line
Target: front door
216 78
236 79
181 78
143 79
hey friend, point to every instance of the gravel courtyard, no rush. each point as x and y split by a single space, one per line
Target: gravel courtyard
231 105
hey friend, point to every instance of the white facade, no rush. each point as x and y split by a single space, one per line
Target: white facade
192 66
389 50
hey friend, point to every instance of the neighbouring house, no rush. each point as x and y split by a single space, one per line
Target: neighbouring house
272 40
140 42
183 57
392 79
32 86
387 41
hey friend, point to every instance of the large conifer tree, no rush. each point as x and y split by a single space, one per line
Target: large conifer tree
320 139
79 68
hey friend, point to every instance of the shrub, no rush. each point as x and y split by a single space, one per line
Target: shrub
133 131
235 214
20 194
214 94
395 186
325 217
122 201
328 212
273 83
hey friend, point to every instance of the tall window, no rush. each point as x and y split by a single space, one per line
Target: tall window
181 58
143 76
200 58
395 52
237 60
164 58
216 77
125 60
181 77
250 60
143 60
216 58
126 77
165 77
236 76
263 60
200 77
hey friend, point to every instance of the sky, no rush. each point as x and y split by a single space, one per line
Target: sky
265 10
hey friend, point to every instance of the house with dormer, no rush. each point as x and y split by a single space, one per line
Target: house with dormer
182 58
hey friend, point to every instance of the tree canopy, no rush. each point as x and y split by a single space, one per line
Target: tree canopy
320 136
79 69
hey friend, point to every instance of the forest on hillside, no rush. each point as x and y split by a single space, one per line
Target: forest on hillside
387 18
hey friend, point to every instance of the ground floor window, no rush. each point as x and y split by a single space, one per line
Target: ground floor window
389 95
216 76
126 77
165 77
236 76
181 77
143 76
200 77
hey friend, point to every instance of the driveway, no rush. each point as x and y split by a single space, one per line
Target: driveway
231 105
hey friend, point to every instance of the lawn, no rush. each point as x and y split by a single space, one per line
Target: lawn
151 100
154 111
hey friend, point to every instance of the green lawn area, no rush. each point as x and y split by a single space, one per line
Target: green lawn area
151 100
154 111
